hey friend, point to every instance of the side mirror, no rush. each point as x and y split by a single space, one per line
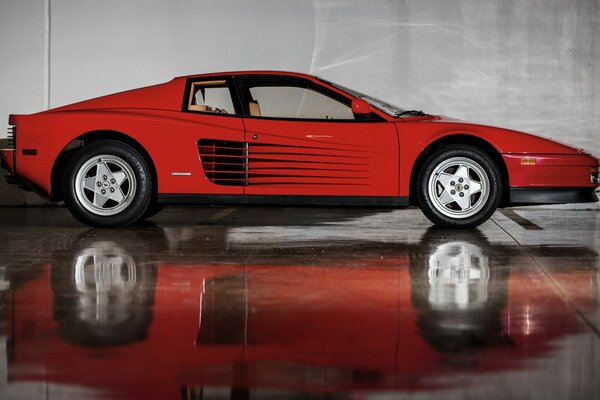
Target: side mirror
361 107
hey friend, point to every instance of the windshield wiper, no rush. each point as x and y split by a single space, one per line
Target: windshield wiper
415 113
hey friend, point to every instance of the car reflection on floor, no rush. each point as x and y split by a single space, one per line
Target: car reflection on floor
129 321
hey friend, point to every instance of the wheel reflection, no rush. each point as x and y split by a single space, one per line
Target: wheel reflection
459 292
105 295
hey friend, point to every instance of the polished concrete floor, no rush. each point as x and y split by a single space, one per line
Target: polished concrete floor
295 303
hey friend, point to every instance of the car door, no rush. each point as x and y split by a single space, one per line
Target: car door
302 139
214 128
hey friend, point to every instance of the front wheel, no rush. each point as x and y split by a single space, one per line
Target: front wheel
459 187
107 184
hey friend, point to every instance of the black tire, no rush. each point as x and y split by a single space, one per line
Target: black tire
125 163
154 208
481 171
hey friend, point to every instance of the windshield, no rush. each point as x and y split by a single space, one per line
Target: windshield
389 109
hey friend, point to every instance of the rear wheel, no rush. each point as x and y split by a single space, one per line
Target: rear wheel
107 183
459 187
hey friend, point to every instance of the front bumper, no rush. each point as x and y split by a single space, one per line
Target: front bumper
551 170
533 196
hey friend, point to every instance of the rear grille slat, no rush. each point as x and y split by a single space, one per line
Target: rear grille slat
221 156
11 135
224 161
212 147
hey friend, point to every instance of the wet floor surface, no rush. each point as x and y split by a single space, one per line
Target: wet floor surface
294 303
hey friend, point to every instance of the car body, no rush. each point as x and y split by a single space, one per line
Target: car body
271 137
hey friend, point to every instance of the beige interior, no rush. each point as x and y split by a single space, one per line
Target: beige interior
195 87
197 107
254 108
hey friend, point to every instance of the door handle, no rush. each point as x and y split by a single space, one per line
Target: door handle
255 136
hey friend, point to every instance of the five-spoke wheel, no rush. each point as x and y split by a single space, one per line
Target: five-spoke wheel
107 183
459 187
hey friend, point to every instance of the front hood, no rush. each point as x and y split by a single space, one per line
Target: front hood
505 140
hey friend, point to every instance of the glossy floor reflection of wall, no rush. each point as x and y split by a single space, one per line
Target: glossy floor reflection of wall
521 64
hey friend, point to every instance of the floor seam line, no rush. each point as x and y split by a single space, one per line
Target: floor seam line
556 286
566 298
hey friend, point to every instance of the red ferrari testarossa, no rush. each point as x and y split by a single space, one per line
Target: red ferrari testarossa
265 137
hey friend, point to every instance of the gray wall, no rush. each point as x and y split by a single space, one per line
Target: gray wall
524 64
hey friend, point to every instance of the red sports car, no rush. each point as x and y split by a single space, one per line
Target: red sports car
264 137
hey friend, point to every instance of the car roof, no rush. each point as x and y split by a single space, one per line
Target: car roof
254 73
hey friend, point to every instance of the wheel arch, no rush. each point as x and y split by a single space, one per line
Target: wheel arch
459 139
87 138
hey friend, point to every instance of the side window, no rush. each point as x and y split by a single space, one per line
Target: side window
295 102
210 96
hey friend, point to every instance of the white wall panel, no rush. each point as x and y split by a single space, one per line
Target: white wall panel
107 46
22 73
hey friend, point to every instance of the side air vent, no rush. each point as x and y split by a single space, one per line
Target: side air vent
234 163
11 135
280 164
224 161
